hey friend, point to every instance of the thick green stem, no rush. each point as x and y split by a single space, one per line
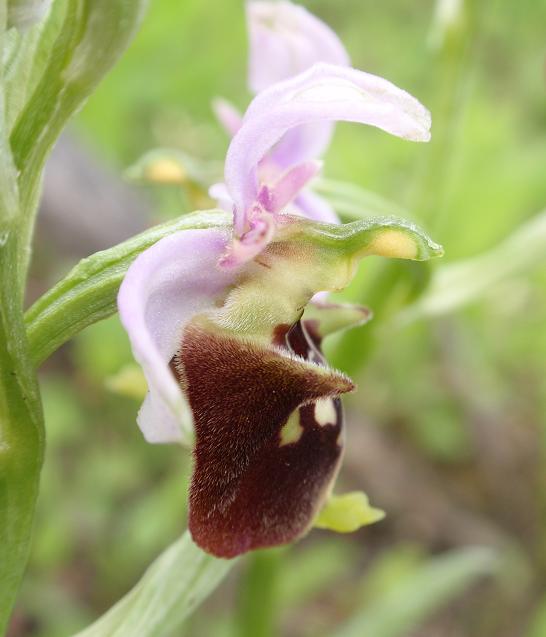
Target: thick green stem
82 40
21 430
21 421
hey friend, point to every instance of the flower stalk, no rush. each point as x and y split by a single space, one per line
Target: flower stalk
21 429
92 36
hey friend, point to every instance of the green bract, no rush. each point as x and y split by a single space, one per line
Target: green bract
88 293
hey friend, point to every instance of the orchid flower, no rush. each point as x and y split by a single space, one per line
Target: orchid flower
285 40
324 93
216 319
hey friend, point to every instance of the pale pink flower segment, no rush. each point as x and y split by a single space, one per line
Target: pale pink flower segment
324 93
284 40
216 317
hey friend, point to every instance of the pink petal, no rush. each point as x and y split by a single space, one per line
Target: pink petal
324 93
262 227
274 198
230 118
285 39
163 289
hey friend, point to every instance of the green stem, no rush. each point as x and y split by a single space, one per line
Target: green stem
21 430
21 420
450 68
257 611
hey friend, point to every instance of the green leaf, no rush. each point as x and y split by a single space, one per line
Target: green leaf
26 55
93 35
21 433
88 293
178 581
9 195
22 14
420 593
457 284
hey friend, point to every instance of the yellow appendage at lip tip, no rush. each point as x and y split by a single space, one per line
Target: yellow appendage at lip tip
393 243
347 513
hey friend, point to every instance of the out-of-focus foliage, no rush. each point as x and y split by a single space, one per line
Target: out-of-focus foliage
447 431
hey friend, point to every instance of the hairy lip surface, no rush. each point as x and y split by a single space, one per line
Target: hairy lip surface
249 488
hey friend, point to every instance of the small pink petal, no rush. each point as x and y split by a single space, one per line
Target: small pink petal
286 39
220 193
325 93
230 118
163 289
252 242
275 198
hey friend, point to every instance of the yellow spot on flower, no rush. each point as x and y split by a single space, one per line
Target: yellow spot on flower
166 171
393 243
291 432
325 412
347 513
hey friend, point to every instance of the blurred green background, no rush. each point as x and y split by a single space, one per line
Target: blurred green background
447 430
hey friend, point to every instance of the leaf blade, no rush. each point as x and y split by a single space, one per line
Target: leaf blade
171 588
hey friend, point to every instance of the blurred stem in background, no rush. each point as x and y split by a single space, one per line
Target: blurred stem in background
452 39
396 284
258 607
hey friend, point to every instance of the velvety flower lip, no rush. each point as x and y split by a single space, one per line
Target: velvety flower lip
285 39
163 289
324 93
269 446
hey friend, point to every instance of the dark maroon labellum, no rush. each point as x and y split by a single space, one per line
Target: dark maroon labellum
268 436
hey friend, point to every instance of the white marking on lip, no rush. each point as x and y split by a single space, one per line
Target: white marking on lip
325 412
